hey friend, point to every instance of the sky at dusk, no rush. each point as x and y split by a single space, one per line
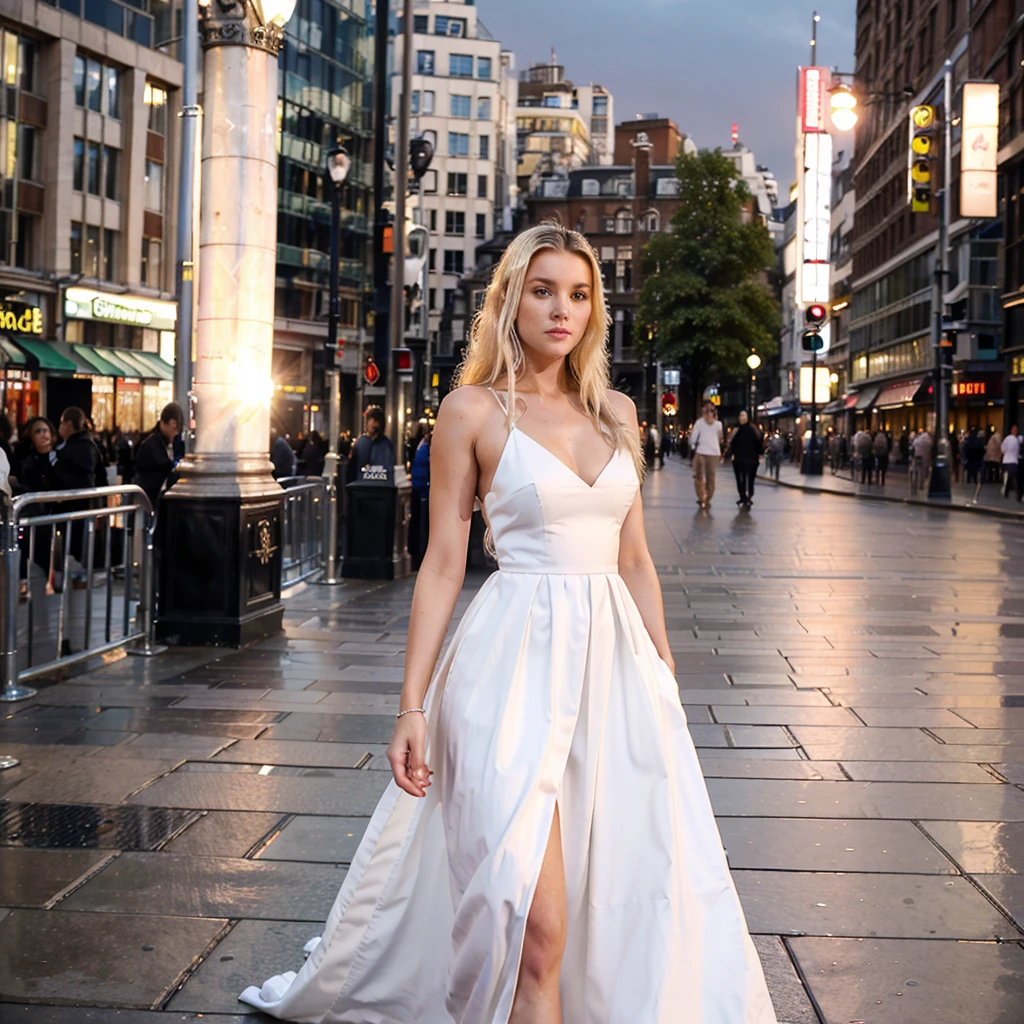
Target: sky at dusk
704 63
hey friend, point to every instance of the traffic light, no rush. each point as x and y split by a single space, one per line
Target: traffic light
922 153
814 319
421 152
403 362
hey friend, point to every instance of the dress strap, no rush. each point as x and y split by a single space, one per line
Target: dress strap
501 397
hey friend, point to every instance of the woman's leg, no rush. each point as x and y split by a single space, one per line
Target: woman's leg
741 479
537 999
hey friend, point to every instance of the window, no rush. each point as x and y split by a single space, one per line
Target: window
460 105
590 187
111 169
76 247
432 260
552 101
481 225
28 66
79 80
154 192
432 303
91 256
93 84
449 296
444 26
456 184
483 108
92 168
460 65
424 62
609 225
112 87
454 261
28 153
151 253
483 68
433 219
428 101
600 108
109 256
481 186
458 144
429 183
419 24
155 99
414 107
454 222
485 147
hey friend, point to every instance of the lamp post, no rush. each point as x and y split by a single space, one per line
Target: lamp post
753 361
222 519
338 164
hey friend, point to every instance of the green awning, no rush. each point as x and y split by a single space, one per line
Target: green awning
126 367
12 355
130 358
92 356
47 356
158 367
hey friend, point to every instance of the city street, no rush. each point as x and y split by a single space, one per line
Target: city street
853 675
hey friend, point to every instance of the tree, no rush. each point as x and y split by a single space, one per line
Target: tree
706 301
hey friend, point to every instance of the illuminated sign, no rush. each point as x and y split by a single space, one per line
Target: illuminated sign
969 387
135 311
1017 366
813 86
21 319
978 146
822 389
814 204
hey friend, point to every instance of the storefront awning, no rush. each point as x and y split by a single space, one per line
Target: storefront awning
833 408
103 367
47 357
124 363
11 354
126 366
781 410
865 399
892 396
158 369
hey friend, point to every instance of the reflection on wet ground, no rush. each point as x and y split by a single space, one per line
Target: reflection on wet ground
853 675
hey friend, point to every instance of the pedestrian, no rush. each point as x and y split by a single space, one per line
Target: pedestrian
993 456
658 438
155 461
282 455
314 454
863 455
834 449
5 473
956 459
650 446
1011 458
921 449
904 445
973 455
880 450
706 446
6 433
746 445
35 476
776 452
373 454
419 513
75 465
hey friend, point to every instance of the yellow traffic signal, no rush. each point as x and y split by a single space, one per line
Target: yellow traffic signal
922 152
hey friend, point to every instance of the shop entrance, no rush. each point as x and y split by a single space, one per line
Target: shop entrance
64 391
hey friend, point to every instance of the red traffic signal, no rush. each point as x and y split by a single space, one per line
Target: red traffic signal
403 359
816 314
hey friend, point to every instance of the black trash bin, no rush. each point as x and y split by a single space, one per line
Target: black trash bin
370 530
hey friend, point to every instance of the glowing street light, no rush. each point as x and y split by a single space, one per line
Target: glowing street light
753 360
843 108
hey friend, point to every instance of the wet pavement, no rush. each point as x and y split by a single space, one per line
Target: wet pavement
853 675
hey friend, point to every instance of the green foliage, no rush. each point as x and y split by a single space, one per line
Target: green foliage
706 298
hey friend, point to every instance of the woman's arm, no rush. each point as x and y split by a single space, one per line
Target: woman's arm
636 567
453 483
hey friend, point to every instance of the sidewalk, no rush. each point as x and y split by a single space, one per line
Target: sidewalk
990 500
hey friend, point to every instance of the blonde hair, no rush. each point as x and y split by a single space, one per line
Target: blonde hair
495 350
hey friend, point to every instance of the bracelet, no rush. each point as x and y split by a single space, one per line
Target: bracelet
410 711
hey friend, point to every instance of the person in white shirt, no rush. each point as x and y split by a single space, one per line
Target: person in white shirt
706 446
1011 460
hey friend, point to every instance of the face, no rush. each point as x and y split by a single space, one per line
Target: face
169 429
66 429
709 412
41 437
743 417
373 426
556 304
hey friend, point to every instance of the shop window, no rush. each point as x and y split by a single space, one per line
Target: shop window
154 190
155 99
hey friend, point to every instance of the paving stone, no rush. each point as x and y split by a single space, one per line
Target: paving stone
1007 891
224 834
917 771
58 956
357 794
789 997
332 728
251 952
32 877
802 844
917 718
34 1014
300 752
912 981
716 764
90 781
869 906
826 743
773 715
313 838
210 887
197 722
981 846
1010 738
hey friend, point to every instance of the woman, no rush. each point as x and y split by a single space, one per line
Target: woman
569 811
35 475
746 446
974 455
880 449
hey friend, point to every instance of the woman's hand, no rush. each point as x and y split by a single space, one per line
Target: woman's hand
406 754
670 661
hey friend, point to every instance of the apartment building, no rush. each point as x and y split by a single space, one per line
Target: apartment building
87 221
463 97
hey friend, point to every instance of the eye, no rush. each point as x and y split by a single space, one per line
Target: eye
538 290
580 295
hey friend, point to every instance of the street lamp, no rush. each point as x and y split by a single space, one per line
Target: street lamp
753 361
843 107
338 164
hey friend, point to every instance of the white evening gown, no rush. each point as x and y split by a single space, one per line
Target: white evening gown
551 691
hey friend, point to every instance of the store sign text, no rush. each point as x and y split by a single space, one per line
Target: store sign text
28 321
969 387
104 309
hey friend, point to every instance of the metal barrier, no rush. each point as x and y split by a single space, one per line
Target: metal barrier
304 526
89 535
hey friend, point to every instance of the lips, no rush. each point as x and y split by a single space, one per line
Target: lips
559 332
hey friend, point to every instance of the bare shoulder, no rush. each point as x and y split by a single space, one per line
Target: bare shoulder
624 406
463 411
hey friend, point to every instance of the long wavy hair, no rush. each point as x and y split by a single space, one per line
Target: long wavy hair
495 350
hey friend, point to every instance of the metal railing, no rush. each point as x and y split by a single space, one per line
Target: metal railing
304 527
36 532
